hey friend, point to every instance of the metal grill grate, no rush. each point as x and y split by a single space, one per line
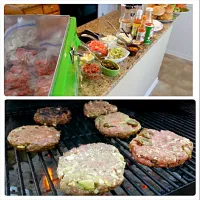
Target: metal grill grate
139 179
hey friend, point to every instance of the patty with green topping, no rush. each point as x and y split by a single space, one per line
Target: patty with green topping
93 109
91 169
34 138
117 125
160 148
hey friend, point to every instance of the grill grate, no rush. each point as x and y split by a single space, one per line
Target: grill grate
139 179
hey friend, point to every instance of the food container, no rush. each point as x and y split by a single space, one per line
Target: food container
117 60
99 48
110 68
133 49
109 40
86 58
91 71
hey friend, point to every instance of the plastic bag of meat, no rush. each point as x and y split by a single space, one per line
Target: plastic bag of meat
17 77
23 91
43 85
44 64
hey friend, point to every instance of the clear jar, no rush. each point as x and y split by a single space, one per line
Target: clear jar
126 20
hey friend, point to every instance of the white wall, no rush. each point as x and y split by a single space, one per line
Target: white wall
181 40
104 9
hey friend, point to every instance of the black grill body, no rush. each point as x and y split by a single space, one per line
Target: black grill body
174 115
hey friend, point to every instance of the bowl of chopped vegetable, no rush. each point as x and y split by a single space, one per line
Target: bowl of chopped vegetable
133 49
91 70
99 48
110 68
117 54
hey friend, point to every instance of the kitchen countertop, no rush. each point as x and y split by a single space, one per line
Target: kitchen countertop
104 84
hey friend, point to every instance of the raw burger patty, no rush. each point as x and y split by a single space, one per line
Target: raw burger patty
52 116
117 125
94 109
160 148
34 138
91 169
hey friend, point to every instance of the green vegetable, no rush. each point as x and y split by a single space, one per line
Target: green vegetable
87 184
116 53
107 125
144 141
146 134
132 122
187 150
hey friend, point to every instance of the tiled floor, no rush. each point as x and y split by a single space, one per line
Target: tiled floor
175 77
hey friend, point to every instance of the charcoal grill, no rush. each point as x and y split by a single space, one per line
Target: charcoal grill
177 116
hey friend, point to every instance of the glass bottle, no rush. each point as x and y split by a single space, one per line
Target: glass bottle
126 22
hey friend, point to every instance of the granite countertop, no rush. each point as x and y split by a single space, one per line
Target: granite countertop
104 84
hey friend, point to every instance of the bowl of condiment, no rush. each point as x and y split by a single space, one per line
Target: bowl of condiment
87 57
99 48
133 49
91 70
109 39
117 54
110 68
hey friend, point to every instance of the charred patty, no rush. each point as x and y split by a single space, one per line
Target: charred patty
91 169
117 125
34 138
94 109
160 148
52 116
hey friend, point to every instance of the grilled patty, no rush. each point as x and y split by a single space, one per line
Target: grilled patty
91 169
34 138
117 125
160 148
52 116
93 109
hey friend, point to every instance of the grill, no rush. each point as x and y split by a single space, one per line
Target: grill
176 116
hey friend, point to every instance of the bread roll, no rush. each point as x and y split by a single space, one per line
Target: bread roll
158 10
166 16
169 9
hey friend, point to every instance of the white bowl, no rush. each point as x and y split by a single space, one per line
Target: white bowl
126 54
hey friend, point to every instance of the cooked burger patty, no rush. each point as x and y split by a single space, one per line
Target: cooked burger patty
52 116
160 148
91 169
117 125
94 109
34 138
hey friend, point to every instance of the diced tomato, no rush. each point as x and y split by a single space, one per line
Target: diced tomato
98 46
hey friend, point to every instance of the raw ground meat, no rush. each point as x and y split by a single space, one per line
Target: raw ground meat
16 77
160 148
34 138
91 169
23 91
94 109
45 66
43 86
24 55
117 125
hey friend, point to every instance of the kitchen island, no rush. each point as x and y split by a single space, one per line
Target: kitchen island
138 74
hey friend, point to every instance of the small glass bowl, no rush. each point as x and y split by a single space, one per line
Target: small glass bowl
94 75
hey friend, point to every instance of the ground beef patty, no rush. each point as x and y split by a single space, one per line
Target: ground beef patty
117 125
91 169
34 138
160 148
52 116
94 109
